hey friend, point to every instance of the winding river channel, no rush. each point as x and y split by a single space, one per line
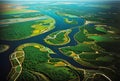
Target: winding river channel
5 65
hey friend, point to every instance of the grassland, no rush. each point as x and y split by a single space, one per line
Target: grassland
3 48
17 31
31 62
58 37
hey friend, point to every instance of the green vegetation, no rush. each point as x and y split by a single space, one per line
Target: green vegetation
99 59
81 36
91 33
77 53
58 37
3 48
17 31
92 30
91 55
36 65
102 29
101 38
81 48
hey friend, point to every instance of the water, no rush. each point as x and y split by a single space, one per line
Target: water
5 65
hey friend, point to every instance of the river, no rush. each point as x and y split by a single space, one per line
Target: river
5 65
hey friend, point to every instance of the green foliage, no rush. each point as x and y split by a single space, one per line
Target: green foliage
54 60
92 30
26 76
16 31
39 56
81 37
102 29
78 48
37 61
91 56
59 39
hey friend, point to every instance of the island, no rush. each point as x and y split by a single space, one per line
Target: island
58 38
31 61
68 18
